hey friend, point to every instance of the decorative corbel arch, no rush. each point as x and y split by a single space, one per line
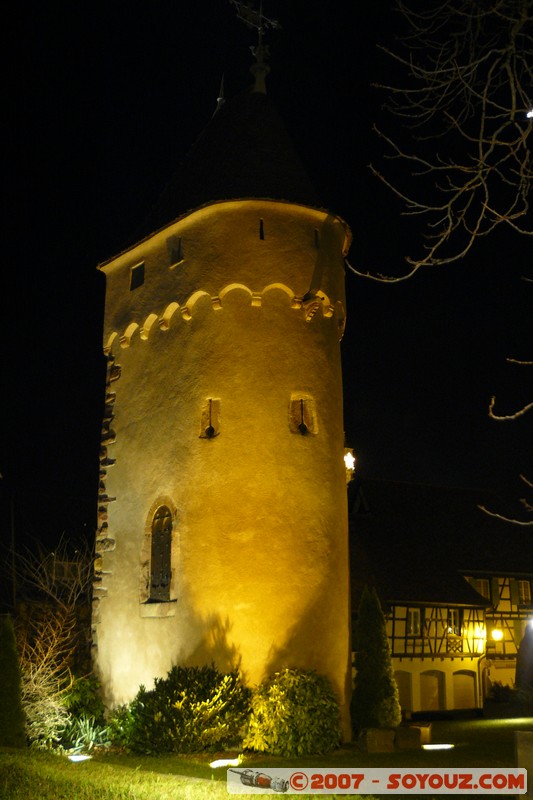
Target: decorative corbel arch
148 324
168 314
125 339
108 343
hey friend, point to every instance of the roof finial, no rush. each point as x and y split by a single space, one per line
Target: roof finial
256 19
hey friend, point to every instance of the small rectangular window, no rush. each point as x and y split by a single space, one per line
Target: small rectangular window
524 593
413 622
454 622
175 250
136 276
482 586
302 414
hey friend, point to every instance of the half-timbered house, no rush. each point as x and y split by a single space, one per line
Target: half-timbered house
455 585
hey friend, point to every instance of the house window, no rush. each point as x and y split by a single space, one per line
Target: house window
524 593
413 622
482 586
160 568
454 622
175 250
136 276
302 415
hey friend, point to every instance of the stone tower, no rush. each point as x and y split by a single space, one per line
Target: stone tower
222 532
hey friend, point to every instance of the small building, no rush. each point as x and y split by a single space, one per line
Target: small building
509 611
455 585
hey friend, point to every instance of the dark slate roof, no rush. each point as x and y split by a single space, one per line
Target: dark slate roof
244 152
416 542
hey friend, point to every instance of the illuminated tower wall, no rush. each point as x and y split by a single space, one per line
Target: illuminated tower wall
222 513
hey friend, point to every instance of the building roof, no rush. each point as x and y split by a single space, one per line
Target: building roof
244 152
415 543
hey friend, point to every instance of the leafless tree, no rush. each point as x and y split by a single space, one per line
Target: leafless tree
460 152
53 586
463 120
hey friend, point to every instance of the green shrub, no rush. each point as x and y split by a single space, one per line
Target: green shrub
85 733
500 693
192 709
294 713
375 700
83 699
12 733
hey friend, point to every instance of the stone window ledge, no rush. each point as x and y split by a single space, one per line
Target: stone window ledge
167 609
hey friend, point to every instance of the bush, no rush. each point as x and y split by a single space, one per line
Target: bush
12 732
85 733
83 699
500 693
192 709
46 720
294 713
375 700
44 635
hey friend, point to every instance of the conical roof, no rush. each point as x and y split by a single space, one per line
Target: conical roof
244 152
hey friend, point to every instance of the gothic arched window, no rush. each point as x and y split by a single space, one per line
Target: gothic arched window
160 558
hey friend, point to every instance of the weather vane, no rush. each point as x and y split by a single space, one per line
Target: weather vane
254 18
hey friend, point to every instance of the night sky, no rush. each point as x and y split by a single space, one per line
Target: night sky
103 102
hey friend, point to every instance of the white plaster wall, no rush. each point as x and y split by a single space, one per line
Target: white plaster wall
447 666
260 548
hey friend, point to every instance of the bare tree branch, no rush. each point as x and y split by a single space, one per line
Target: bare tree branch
465 106
526 481
512 520
508 417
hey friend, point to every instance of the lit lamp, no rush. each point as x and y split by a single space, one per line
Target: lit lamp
349 463
497 634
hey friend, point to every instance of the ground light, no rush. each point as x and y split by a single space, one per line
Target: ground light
438 746
226 762
76 757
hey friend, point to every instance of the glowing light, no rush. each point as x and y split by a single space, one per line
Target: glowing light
349 463
438 746
497 634
226 762
76 757
529 114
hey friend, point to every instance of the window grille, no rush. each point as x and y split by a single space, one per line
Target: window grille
160 562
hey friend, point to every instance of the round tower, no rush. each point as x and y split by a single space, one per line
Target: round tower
222 514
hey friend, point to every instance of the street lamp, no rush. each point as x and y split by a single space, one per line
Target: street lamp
349 463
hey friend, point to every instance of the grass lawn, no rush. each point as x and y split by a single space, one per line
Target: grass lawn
30 775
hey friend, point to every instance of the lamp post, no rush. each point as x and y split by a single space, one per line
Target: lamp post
349 463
